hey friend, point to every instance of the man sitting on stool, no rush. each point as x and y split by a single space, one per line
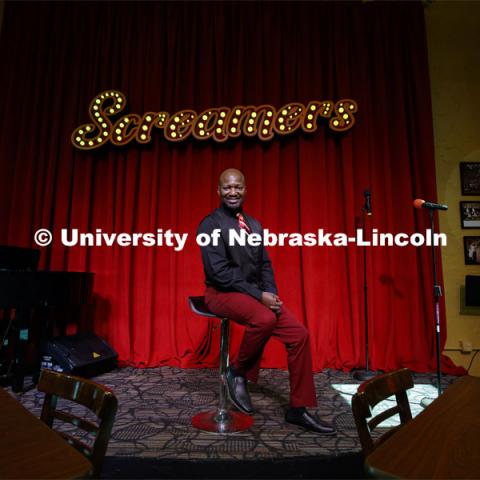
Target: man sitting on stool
241 286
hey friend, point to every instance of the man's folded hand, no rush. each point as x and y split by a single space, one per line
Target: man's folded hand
271 301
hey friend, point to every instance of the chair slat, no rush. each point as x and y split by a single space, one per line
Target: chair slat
97 398
82 447
77 421
370 394
382 416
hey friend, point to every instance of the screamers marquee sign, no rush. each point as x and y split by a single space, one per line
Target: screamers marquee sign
219 123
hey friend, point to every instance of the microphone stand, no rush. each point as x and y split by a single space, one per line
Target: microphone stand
366 374
437 293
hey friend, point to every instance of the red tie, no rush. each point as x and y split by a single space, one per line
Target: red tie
242 224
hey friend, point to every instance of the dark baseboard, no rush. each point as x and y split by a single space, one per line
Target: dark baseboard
342 466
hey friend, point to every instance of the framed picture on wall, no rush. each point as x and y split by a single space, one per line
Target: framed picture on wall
470 214
471 250
470 178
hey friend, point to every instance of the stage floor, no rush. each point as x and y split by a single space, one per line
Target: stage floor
156 407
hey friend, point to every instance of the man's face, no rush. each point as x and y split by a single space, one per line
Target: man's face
232 190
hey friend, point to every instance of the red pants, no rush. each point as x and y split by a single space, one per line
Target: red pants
262 323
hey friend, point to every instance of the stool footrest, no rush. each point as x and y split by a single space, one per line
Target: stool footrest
222 421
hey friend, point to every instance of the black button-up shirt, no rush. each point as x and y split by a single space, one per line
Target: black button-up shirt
245 269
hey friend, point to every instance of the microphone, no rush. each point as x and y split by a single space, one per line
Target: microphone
419 203
368 206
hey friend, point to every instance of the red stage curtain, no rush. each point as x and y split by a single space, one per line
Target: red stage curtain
57 56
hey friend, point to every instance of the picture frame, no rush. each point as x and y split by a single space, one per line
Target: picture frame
470 214
470 178
471 250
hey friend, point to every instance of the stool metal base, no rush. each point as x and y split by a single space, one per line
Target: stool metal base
222 421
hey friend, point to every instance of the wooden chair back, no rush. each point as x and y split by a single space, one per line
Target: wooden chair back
95 397
372 392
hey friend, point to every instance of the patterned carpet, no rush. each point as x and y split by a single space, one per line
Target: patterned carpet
156 405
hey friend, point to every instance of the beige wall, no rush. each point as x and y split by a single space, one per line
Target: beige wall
453 30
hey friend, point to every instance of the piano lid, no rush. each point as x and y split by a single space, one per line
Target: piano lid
22 286
31 289
18 258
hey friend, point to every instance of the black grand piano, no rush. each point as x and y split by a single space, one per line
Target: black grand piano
25 290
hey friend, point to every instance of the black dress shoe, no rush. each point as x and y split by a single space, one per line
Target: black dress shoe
300 417
238 392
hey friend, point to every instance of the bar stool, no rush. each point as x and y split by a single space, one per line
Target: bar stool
220 420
